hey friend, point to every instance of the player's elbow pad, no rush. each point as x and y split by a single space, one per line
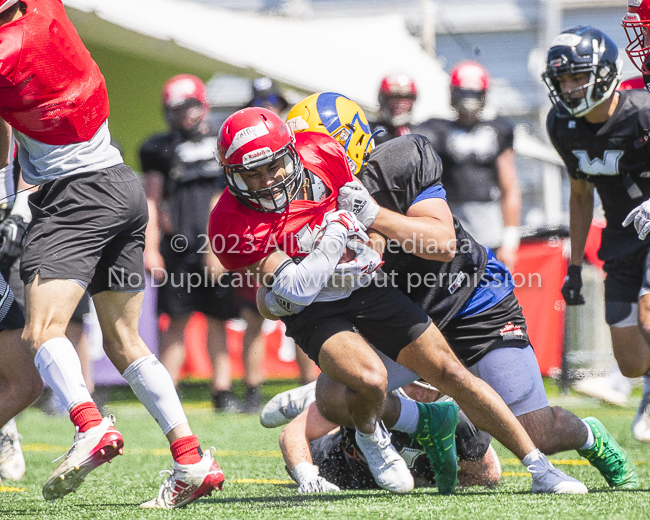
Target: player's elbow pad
301 283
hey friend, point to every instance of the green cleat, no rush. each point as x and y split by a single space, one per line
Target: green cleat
609 458
436 433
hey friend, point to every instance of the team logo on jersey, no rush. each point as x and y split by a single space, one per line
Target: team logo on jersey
571 124
481 142
307 238
608 165
511 331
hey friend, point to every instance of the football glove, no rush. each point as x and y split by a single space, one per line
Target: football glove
573 286
641 218
317 485
354 197
12 239
365 262
349 221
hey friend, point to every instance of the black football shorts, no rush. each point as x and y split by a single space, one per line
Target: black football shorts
89 228
190 287
383 316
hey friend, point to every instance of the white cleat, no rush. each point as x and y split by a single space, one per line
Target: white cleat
187 482
603 389
386 465
548 479
287 405
89 450
12 462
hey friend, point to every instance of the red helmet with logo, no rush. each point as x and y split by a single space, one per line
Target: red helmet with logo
469 83
397 93
253 137
636 23
185 103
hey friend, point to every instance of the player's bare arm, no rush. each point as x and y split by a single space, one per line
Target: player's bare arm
427 229
581 208
510 207
153 260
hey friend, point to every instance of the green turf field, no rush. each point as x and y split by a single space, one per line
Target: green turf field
257 485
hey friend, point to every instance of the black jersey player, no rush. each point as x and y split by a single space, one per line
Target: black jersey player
467 293
601 135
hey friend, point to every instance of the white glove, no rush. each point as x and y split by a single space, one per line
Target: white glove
641 218
360 269
354 197
306 475
349 221
318 485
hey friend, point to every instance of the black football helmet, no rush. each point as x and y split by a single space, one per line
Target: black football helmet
581 49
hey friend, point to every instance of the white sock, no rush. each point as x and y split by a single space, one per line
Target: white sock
536 462
375 436
154 387
58 363
590 437
408 417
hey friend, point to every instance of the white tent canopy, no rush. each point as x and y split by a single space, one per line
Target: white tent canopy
343 55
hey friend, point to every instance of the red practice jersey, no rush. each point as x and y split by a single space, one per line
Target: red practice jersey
241 236
50 88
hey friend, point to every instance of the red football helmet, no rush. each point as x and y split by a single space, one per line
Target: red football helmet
6 4
397 93
254 137
469 85
636 23
185 103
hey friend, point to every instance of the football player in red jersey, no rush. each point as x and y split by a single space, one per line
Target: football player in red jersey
279 219
89 218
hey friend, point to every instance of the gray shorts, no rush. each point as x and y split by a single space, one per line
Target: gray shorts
514 374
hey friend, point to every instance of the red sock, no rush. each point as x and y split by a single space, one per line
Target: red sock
186 450
85 416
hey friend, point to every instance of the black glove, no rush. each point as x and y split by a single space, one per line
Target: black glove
572 286
12 238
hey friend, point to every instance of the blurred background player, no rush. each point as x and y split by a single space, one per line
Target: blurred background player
183 182
596 129
397 94
84 226
321 457
478 164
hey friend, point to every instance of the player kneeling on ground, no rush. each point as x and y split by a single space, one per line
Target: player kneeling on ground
322 457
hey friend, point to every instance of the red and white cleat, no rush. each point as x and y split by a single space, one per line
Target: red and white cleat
89 450
186 483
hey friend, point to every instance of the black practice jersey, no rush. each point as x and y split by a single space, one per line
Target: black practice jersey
615 159
192 178
395 174
340 461
469 156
